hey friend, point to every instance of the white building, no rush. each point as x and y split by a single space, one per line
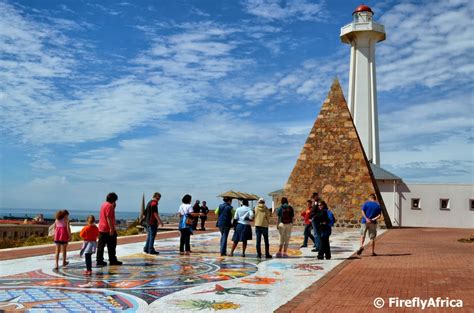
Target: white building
425 204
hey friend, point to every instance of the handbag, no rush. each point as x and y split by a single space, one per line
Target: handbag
189 220
247 217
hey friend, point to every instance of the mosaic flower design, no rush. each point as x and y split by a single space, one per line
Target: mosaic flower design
206 305
257 280
308 267
248 292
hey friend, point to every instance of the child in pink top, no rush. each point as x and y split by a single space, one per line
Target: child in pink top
62 235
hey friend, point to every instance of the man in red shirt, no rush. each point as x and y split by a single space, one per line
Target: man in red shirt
107 231
307 224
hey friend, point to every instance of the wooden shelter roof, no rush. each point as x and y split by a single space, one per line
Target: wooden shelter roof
239 195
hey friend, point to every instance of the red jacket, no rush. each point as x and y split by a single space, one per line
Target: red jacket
89 233
305 214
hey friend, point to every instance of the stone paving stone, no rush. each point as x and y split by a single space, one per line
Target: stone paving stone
412 262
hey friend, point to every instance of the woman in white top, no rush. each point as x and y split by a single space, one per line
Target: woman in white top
186 214
243 230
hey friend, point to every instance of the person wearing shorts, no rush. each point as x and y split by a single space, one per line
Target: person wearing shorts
285 215
371 212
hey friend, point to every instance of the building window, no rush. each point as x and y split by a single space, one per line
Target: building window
471 204
444 204
415 204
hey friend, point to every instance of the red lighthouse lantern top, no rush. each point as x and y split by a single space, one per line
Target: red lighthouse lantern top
363 8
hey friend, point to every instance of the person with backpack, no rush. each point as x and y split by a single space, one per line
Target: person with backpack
285 215
325 220
152 219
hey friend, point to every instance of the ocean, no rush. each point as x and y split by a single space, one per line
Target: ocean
74 215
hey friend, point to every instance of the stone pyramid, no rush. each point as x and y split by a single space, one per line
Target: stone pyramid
333 163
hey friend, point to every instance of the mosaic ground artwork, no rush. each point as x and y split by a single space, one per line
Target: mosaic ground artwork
203 281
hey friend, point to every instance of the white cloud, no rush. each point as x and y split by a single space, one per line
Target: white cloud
430 141
260 91
309 82
206 156
201 52
442 171
292 9
173 75
417 126
42 165
288 80
431 47
66 8
105 9
49 182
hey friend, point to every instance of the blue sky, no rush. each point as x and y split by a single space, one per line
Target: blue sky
201 97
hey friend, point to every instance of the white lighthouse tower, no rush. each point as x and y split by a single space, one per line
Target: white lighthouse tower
362 34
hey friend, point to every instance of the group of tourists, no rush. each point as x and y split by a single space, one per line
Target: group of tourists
203 217
105 232
317 214
318 222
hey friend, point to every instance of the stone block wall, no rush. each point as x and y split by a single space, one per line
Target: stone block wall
333 163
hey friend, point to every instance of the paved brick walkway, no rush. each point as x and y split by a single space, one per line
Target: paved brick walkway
413 262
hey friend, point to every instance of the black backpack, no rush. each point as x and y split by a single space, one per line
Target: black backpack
143 219
287 215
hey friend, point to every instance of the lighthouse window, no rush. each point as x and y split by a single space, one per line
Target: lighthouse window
471 204
444 204
415 204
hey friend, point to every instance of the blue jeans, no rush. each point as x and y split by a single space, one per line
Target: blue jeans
224 234
259 231
150 239
307 234
325 249
317 236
